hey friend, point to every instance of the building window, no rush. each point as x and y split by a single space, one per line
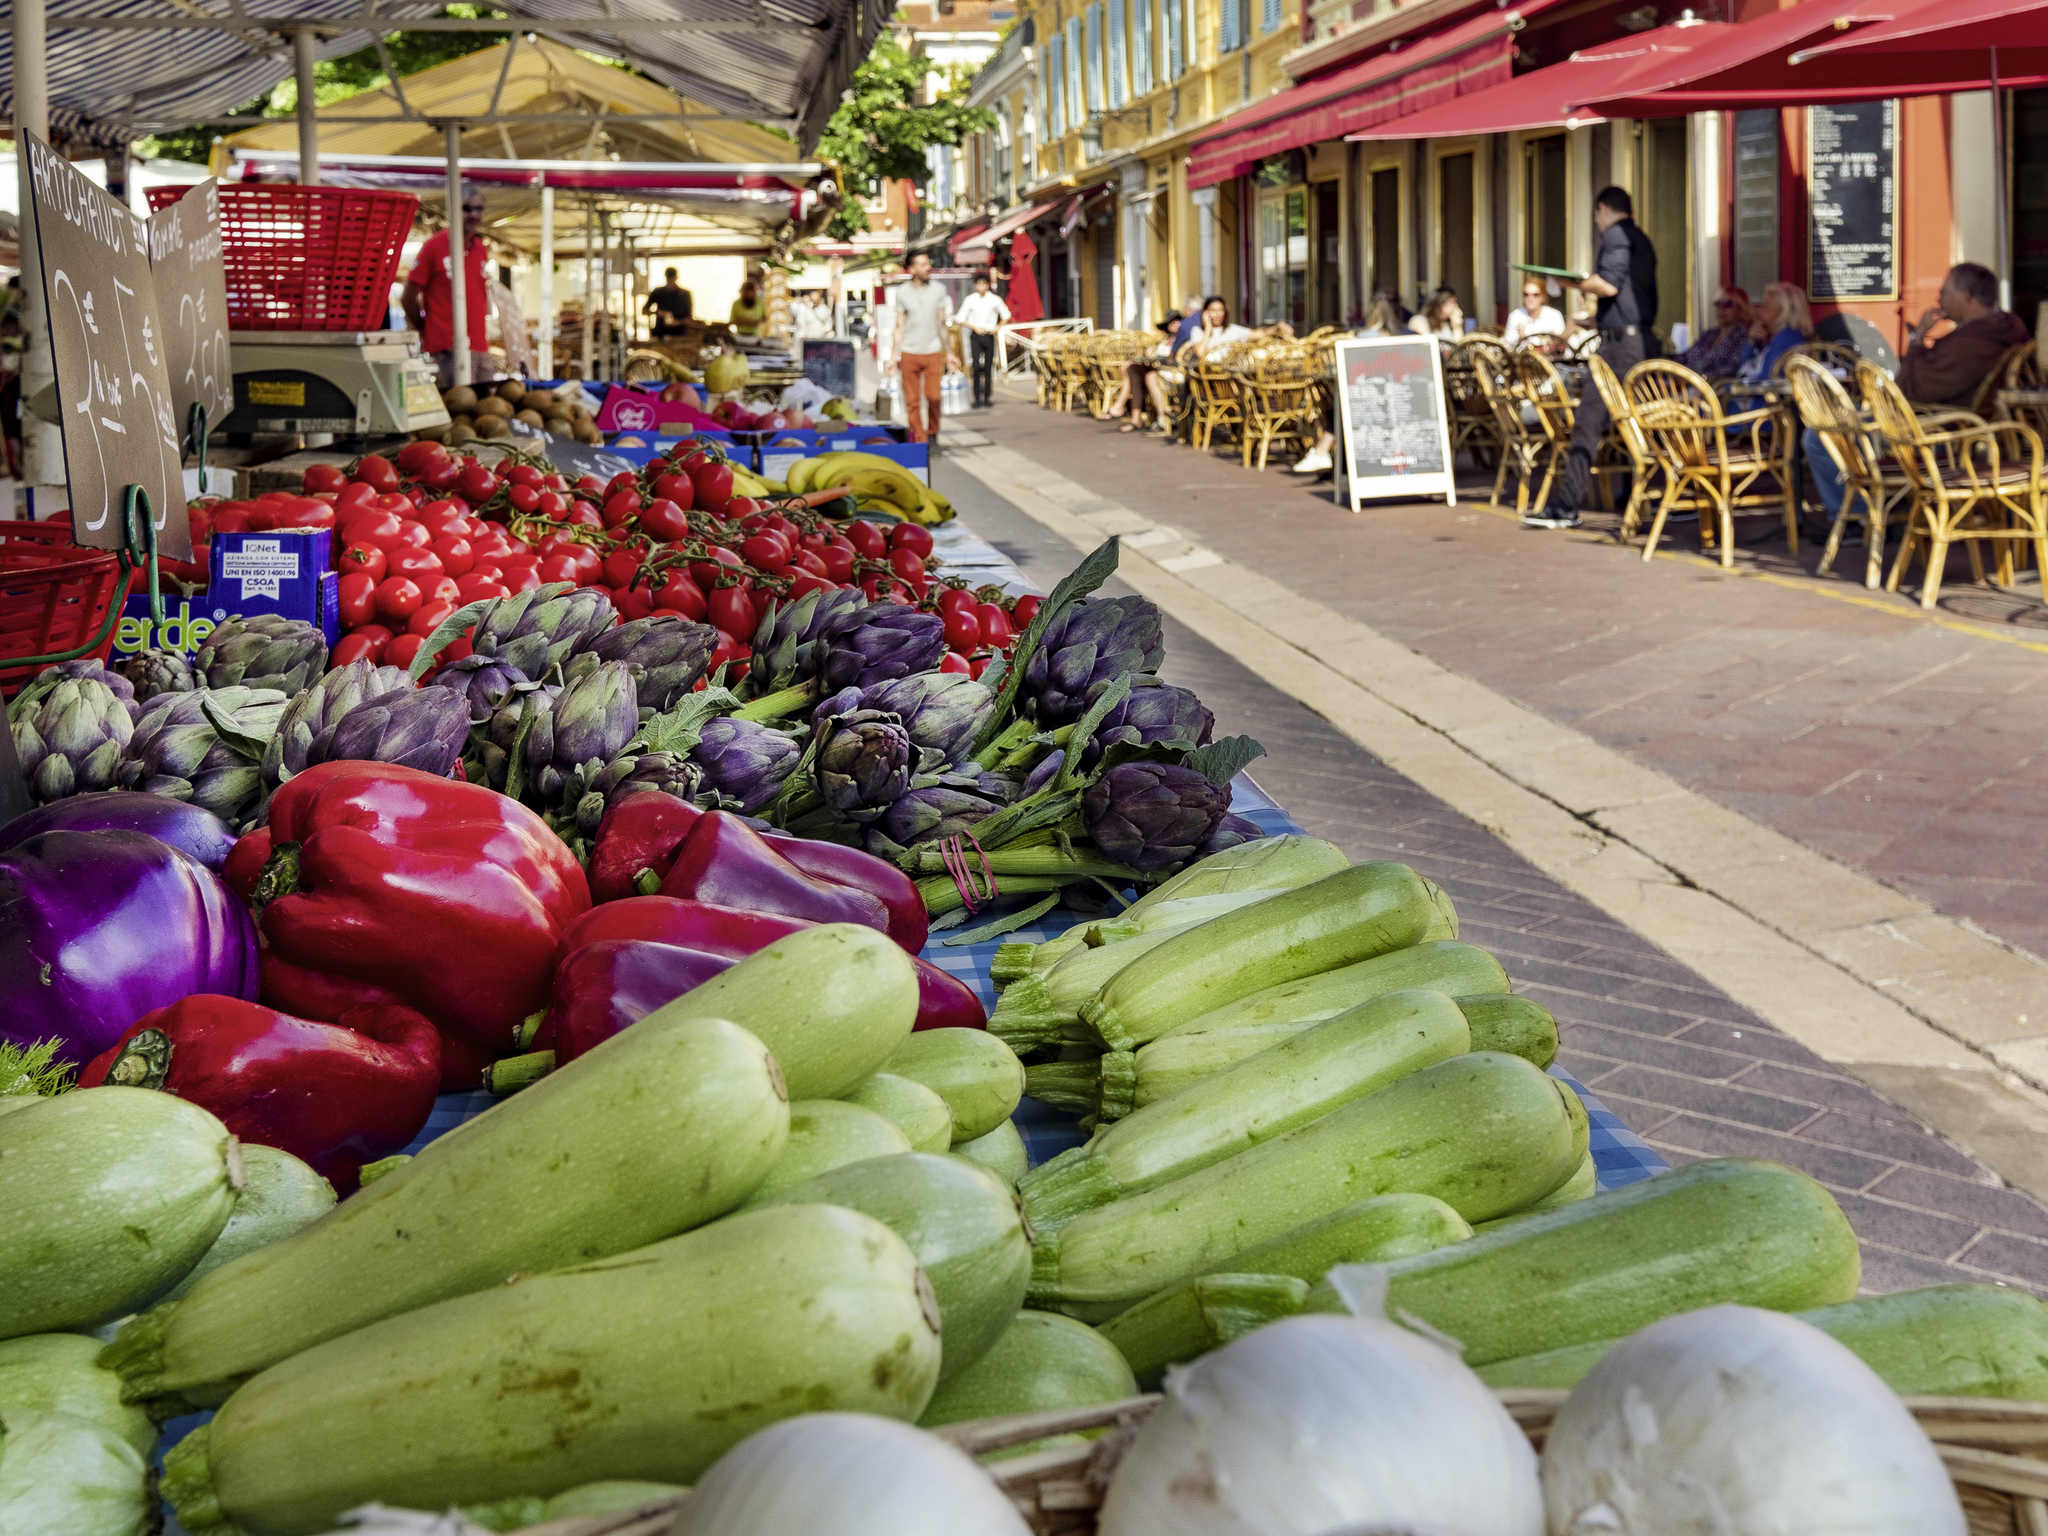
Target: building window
1077 104
1269 15
1001 187
1176 41
1283 256
1545 199
1231 34
1092 88
1118 89
1141 47
1027 140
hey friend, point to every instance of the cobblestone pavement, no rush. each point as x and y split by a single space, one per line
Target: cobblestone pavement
1912 749
1688 1069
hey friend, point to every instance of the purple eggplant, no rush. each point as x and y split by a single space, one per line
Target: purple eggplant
189 828
99 928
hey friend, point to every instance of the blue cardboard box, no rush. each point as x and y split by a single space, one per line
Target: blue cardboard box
284 572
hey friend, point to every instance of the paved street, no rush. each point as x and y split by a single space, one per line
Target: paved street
1687 1066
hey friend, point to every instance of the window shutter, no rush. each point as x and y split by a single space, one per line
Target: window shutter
1141 47
1176 56
1232 36
1117 62
1269 16
1077 101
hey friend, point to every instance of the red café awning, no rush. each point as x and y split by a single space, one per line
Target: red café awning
1006 224
1946 26
1414 73
1751 65
1546 98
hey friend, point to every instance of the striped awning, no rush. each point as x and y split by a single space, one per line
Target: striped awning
144 66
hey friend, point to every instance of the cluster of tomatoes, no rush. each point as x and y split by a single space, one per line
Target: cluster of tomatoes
423 531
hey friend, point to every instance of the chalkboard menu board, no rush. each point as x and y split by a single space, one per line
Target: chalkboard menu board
828 363
1756 200
107 342
1852 186
1390 396
192 297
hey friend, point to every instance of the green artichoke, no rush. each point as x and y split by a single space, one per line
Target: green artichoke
265 650
71 738
155 672
322 706
206 747
537 630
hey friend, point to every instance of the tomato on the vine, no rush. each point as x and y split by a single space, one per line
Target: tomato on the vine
621 566
427 618
911 536
377 472
398 599
525 474
766 552
953 661
679 489
480 583
953 598
803 582
838 556
422 565
477 482
681 595
357 598
365 559
620 508
323 477
907 564
963 629
632 602
402 649
867 539
731 609
664 520
1024 610
995 626
359 646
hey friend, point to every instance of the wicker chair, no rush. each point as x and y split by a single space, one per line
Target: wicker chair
1281 403
1715 462
1971 484
1984 404
1828 354
1524 448
1626 448
1872 484
1549 399
1473 429
1214 401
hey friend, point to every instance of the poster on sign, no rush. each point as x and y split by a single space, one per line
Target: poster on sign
107 343
192 298
1390 403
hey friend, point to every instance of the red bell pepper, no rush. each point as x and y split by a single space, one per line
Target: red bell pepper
698 925
640 838
728 863
335 1095
603 987
945 1001
385 884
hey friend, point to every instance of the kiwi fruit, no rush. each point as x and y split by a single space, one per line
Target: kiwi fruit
529 418
460 400
494 426
460 433
493 405
539 399
557 427
512 389
588 433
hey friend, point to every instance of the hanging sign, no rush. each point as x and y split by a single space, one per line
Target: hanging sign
1390 398
192 297
107 344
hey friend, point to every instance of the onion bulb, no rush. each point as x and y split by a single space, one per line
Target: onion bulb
1320 1423
1733 1421
846 1474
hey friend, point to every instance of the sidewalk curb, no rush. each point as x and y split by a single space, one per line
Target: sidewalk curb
1939 1016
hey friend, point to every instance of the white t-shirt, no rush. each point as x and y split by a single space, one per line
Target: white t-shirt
1207 342
982 312
922 310
1522 325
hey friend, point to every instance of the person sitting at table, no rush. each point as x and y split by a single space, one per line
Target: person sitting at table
1722 351
1537 322
1443 316
1784 322
1945 361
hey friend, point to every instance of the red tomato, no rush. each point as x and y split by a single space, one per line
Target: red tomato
402 649
523 499
622 482
521 578
1024 610
979 665
682 595
590 486
557 568
428 616
439 514
477 483
812 562
366 525
679 489
867 539
995 626
323 477
911 536
705 572
664 520
712 482
454 553
838 556
303 512
620 508
355 494
231 517
377 472
480 584
632 602
524 474
742 506
442 590
963 629
416 457
552 505
394 502
422 565
398 599
589 565
442 476
730 652
583 515
953 661
621 566
357 592
490 543
554 481
908 564
732 611
359 646
379 634
366 559
454 650
950 598
802 582
766 552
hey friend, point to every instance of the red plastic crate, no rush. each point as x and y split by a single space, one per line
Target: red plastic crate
307 258
53 595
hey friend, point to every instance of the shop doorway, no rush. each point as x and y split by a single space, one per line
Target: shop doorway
1547 200
1456 228
1386 230
1105 278
2029 203
1283 256
1059 277
1328 308
1666 214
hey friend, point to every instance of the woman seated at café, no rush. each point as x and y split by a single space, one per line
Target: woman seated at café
1443 317
1721 352
1537 323
1785 322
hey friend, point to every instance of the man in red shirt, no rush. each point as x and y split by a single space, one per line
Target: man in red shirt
428 296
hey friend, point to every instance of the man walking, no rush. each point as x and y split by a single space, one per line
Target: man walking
429 296
923 313
1624 284
981 312
671 306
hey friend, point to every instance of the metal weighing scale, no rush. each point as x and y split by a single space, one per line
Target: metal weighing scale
347 383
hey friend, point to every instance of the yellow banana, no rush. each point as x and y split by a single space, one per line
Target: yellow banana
799 477
890 483
933 510
879 509
851 458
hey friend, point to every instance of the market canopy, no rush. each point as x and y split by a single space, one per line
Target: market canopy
1946 27
118 69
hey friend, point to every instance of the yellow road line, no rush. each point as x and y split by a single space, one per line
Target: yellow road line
1857 597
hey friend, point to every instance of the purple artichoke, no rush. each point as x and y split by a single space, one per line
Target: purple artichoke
1092 643
594 718
666 656
943 711
1151 712
85 666
790 644
155 672
629 774
889 642
486 681
71 736
864 764
1230 831
423 729
743 762
324 704
536 630
1152 815
946 808
1042 771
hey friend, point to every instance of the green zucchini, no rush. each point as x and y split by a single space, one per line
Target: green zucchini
831 1002
66 1476
962 1223
1295 1082
1485 1133
279 1196
1227 1035
110 1196
1353 915
1582 1131
1070 1085
1033 1011
607 1498
1944 1341
827 1133
1504 1021
1584 1184
915 1110
1042 1361
654 1131
649 1364
61 1373
978 1076
1188 1318
1725 1230
1001 1151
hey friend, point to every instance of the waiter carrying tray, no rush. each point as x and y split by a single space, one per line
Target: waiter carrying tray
1624 285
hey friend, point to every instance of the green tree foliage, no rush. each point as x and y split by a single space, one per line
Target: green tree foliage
882 132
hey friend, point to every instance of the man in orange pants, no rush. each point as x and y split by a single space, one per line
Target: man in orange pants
923 317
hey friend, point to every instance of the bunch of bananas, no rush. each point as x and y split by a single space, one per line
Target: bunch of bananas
746 483
880 486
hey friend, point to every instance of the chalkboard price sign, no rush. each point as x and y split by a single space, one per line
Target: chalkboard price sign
1390 393
828 363
1852 179
192 297
108 344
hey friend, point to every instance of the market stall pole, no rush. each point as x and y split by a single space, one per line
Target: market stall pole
42 451
458 256
589 284
308 107
546 328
